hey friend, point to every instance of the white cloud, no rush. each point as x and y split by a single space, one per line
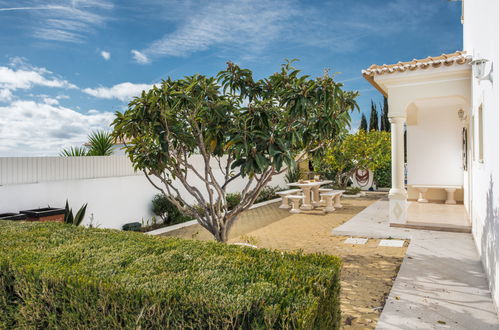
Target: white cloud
32 128
5 95
105 55
23 79
139 57
50 101
123 92
241 24
66 21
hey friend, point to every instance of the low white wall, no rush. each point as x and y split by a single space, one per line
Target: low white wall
112 201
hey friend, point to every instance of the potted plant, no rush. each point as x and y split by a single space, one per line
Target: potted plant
45 214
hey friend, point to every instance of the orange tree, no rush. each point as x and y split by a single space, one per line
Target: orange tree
348 153
240 127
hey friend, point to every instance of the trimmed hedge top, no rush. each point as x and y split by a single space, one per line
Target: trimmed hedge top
60 276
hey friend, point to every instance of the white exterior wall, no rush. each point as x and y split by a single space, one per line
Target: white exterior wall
114 192
481 25
434 147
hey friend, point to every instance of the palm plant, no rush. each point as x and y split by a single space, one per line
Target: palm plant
73 152
101 143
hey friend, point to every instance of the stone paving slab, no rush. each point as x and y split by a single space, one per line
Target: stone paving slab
441 283
352 240
392 243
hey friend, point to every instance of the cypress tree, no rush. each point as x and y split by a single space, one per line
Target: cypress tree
373 120
384 116
363 123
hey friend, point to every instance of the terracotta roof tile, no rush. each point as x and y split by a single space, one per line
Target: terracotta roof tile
458 57
434 62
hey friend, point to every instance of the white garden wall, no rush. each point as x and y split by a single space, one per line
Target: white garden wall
114 192
481 25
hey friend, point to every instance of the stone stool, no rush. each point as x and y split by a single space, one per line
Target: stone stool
284 197
295 202
324 190
328 199
337 198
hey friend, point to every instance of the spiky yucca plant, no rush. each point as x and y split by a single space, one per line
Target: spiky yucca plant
73 152
101 143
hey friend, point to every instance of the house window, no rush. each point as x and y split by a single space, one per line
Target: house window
480 134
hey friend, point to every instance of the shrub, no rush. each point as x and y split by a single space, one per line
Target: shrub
383 176
55 276
233 199
293 175
166 210
352 191
267 193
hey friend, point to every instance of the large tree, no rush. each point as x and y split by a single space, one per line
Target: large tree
363 123
373 120
385 123
240 127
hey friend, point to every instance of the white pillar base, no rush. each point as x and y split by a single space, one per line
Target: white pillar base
398 206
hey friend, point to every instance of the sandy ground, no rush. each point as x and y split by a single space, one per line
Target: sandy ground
368 270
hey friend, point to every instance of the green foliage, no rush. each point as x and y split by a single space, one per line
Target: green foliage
267 194
293 174
363 123
54 276
383 176
385 122
233 199
101 143
77 219
256 126
373 119
167 211
73 152
362 150
352 191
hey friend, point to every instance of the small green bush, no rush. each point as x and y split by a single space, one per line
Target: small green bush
293 175
167 211
267 193
233 199
352 191
56 276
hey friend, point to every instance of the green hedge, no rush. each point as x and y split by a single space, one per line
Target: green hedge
55 276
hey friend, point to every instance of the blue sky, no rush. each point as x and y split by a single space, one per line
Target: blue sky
67 66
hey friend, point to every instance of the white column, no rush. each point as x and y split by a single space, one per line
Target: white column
398 194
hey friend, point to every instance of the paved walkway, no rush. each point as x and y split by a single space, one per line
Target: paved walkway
441 283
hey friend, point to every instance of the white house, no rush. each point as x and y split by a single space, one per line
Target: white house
448 107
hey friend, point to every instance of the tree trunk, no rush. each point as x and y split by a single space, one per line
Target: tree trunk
222 235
